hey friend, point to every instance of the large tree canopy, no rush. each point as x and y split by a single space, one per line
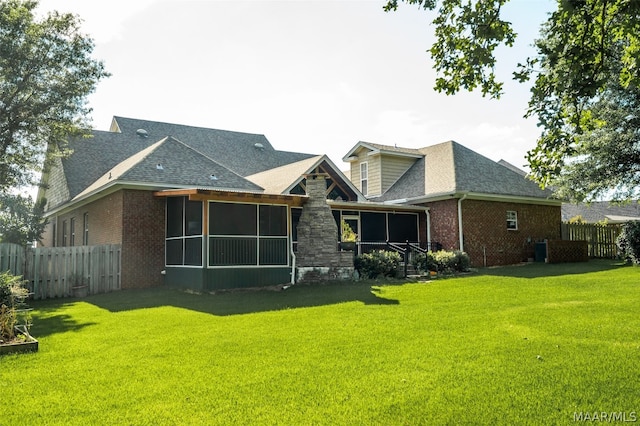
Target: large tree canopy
46 73
586 76
20 219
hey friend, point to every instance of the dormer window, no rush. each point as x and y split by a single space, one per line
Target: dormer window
364 177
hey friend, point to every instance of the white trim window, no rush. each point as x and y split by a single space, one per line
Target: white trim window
364 178
512 220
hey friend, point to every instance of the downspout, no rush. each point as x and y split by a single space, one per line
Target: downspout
426 210
293 264
460 221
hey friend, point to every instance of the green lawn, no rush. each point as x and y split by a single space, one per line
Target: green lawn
532 344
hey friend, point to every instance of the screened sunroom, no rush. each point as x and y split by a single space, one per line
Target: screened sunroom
218 239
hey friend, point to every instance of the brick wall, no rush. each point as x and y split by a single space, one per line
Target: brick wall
143 233
133 218
487 239
444 223
105 223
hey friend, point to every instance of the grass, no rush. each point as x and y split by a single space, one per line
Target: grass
519 345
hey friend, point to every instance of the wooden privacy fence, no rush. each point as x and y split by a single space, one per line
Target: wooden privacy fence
600 238
65 271
12 258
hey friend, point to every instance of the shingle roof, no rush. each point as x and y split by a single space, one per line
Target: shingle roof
388 149
235 153
171 163
278 180
235 150
449 167
602 210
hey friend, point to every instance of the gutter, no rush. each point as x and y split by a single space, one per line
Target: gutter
293 264
460 221
426 210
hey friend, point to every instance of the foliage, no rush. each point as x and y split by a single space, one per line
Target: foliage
347 234
443 261
467 34
46 73
21 219
12 292
577 220
378 263
586 86
629 241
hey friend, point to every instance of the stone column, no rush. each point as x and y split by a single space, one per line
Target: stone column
318 258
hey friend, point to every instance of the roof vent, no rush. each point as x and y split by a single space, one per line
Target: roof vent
213 177
142 133
258 145
159 166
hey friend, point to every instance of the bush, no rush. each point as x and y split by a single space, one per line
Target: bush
629 241
12 291
378 263
442 261
424 262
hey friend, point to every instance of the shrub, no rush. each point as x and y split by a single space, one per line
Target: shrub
12 292
378 263
629 241
424 262
443 261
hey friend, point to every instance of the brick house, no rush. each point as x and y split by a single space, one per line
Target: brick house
206 208
488 209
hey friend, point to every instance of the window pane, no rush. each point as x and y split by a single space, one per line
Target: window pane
193 217
273 220
273 251
232 219
174 252
232 251
403 227
512 219
193 251
373 226
174 216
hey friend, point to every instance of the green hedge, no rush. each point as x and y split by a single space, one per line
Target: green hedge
442 261
378 263
629 241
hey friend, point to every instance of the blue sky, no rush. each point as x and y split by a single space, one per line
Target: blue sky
312 76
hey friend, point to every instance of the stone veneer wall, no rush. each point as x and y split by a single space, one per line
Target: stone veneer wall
318 258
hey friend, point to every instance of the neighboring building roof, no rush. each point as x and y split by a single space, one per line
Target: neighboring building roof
451 168
601 211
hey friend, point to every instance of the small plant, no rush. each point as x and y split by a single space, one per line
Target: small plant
347 234
12 294
378 263
629 241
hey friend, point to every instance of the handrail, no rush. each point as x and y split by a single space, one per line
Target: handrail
417 248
